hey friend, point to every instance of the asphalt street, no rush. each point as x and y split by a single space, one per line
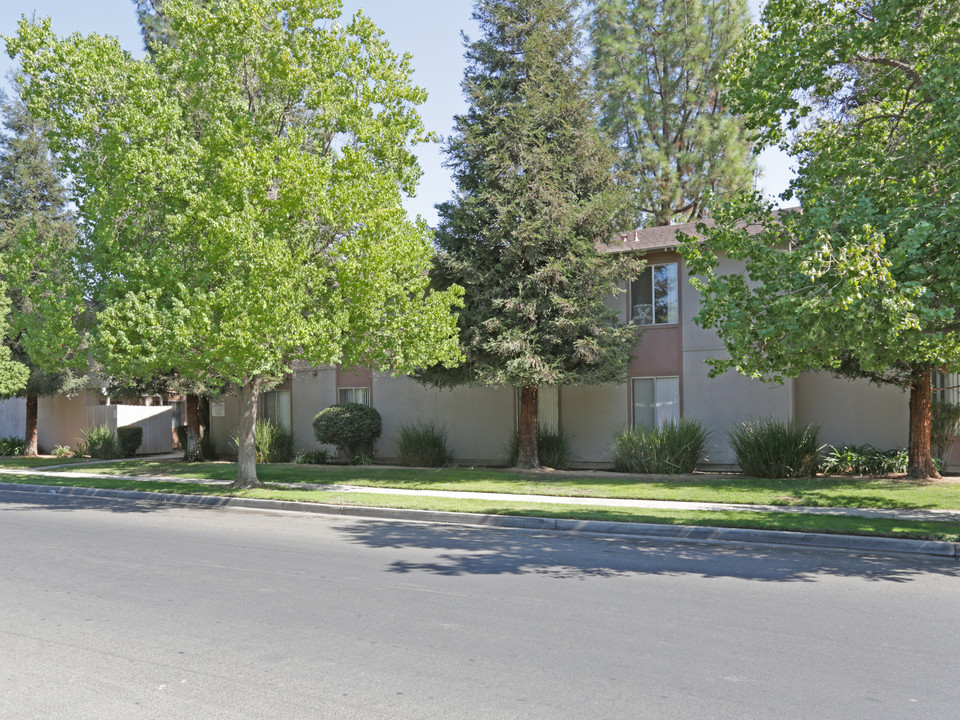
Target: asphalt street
115 609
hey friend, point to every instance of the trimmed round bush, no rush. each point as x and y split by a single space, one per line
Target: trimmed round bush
129 438
352 427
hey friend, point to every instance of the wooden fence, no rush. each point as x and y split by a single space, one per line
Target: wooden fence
156 421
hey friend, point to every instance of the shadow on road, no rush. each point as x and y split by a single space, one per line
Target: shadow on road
11 500
475 551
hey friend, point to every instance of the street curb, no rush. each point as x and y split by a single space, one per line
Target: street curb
597 527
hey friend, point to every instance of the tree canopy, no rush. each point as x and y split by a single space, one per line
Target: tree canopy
657 67
863 281
534 196
240 195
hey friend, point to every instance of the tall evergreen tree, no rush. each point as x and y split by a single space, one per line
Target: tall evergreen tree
534 195
657 67
36 228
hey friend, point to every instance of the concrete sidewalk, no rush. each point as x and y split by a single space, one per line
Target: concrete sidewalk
892 514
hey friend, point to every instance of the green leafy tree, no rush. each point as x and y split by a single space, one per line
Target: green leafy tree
37 232
240 193
13 374
864 280
534 196
657 66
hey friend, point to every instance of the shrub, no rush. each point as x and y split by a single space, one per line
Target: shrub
352 427
424 445
945 419
12 445
273 442
100 442
773 448
62 451
675 447
312 457
866 460
553 449
129 439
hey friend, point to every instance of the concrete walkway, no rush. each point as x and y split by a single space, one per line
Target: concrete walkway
893 514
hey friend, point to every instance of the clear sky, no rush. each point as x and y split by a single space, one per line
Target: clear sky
428 29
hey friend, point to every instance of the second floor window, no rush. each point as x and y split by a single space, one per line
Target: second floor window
654 296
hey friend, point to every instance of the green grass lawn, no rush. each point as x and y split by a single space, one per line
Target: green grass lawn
731 488
17 462
757 520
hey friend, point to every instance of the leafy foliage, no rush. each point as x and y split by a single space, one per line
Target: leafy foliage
312 457
11 445
863 281
671 448
352 427
945 424
679 142
863 460
274 443
424 445
99 442
37 232
553 448
240 192
129 440
772 448
61 451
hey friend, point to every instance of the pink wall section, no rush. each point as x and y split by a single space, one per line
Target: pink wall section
659 352
354 377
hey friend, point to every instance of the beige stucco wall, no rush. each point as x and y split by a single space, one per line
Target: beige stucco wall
590 416
61 420
13 417
853 412
728 400
311 392
478 421
223 428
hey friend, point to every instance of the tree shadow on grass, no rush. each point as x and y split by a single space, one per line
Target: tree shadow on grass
455 551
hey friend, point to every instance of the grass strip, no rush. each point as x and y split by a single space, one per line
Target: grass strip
881 527
19 463
730 488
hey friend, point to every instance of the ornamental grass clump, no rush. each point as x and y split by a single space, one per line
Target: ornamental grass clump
553 449
772 448
424 445
99 442
273 442
672 448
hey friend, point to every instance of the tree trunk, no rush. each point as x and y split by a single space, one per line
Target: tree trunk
247 450
30 433
920 464
192 452
528 458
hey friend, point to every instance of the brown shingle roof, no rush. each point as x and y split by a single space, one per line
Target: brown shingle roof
663 237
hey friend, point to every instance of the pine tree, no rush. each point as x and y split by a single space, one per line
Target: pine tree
534 195
35 226
657 68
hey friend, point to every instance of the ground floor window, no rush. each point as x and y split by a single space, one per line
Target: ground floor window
656 400
354 395
276 407
946 387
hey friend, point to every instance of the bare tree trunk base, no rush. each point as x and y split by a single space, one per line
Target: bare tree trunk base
30 435
924 472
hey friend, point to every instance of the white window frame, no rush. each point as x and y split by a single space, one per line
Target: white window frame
946 386
653 299
658 421
353 391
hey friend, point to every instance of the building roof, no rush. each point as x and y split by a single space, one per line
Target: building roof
664 237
